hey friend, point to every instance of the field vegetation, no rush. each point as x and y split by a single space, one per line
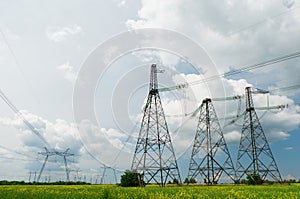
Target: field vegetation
150 191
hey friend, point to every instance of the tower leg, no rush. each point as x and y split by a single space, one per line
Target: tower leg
42 169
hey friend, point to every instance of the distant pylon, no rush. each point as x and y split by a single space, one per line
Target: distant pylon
254 154
210 156
154 158
48 153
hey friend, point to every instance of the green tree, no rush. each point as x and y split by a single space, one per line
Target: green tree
193 181
254 179
130 179
175 181
186 180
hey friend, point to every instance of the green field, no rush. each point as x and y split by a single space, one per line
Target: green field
113 191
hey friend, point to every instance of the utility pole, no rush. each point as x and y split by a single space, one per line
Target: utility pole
154 158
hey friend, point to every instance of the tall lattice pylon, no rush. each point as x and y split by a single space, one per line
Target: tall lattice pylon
154 158
210 156
254 154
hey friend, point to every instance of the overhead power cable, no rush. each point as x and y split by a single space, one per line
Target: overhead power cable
233 72
287 88
26 122
16 152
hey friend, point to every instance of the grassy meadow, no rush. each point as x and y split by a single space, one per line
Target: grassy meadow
113 191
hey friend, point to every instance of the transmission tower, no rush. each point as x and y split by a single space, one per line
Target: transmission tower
48 153
210 156
154 158
254 154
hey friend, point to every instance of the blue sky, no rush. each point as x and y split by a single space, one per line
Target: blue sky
45 45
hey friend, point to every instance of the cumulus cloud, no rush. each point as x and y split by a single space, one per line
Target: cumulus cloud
108 146
234 34
59 134
58 34
67 71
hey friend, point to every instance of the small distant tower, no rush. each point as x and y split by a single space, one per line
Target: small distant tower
210 156
48 153
154 158
254 154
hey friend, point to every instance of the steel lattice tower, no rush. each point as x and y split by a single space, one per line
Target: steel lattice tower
210 155
154 158
254 155
48 153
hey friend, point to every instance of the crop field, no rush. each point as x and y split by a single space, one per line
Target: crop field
113 191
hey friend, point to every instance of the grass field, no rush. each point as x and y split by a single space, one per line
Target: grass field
112 191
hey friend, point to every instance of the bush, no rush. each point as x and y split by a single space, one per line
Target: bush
254 179
130 179
193 181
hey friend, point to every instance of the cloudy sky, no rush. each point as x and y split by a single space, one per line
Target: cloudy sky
51 51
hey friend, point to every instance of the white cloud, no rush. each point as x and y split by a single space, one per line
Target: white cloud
289 177
235 34
59 134
58 34
233 137
107 145
121 3
289 148
288 3
9 34
68 72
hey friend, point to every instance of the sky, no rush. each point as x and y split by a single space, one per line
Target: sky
78 71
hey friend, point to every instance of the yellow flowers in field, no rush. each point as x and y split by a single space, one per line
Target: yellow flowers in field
149 192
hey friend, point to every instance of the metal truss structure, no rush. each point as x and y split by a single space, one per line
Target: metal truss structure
48 153
210 156
154 158
254 154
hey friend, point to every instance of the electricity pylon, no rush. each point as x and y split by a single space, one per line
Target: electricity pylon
210 156
48 153
154 158
254 154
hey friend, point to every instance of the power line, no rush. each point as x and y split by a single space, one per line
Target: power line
261 22
287 88
248 68
16 152
26 122
17 63
234 72
17 159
